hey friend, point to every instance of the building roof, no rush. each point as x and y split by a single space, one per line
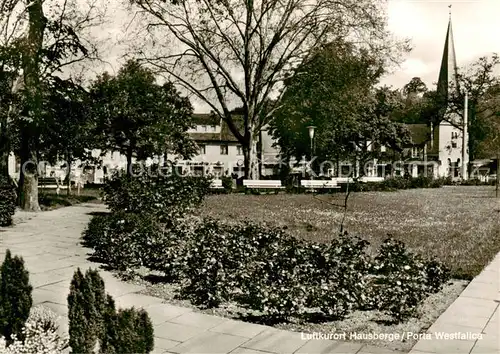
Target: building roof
205 119
421 134
448 73
225 134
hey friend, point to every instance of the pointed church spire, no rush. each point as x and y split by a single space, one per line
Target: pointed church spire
448 74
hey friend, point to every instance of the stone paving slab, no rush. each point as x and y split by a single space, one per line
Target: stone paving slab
276 341
474 313
198 320
209 343
175 331
239 328
327 347
49 244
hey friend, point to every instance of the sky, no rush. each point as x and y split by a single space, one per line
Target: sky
424 22
475 30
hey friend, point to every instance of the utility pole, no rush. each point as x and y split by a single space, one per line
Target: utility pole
464 137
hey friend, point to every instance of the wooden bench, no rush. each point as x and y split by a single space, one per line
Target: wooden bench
367 179
309 184
50 183
342 180
216 184
257 184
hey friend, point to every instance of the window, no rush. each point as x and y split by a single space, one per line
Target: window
454 135
214 128
224 149
205 128
239 150
454 144
202 150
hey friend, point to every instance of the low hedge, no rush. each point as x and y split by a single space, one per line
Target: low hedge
267 270
398 183
7 201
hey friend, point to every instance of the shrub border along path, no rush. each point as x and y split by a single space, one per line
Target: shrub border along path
49 242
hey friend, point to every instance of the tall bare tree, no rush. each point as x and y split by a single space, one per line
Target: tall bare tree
50 36
238 52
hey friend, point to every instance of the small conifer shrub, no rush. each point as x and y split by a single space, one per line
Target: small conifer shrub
95 323
15 297
85 309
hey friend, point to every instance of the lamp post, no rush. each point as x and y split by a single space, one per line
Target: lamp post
464 137
311 136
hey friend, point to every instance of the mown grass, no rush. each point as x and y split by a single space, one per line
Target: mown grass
49 200
460 226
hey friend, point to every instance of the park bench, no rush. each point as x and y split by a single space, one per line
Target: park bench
216 185
318 184
367 179
255 184
342 180
50 183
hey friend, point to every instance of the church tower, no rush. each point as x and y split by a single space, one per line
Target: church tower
450 133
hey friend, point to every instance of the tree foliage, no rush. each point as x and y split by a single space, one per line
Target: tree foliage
335 92
46 37
240 52
139 117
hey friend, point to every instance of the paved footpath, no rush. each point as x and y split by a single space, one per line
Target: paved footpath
49 244
474 319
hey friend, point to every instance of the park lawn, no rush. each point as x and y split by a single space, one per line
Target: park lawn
460 225
49 199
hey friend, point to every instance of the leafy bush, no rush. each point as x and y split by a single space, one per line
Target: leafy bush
41 335
165 198
124 240
126 331
397 183
86 302
343 271
401 280
227 184
437 274
275 282
477 182
7 201
420 182
95 230
208 262
15 297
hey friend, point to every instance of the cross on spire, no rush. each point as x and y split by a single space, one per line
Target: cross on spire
449 7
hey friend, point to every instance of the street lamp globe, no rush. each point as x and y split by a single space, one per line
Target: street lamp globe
311 131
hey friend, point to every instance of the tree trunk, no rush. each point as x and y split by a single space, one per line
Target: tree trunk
4 149
497 182
251 159
30 62
129 161
28 181
68 174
